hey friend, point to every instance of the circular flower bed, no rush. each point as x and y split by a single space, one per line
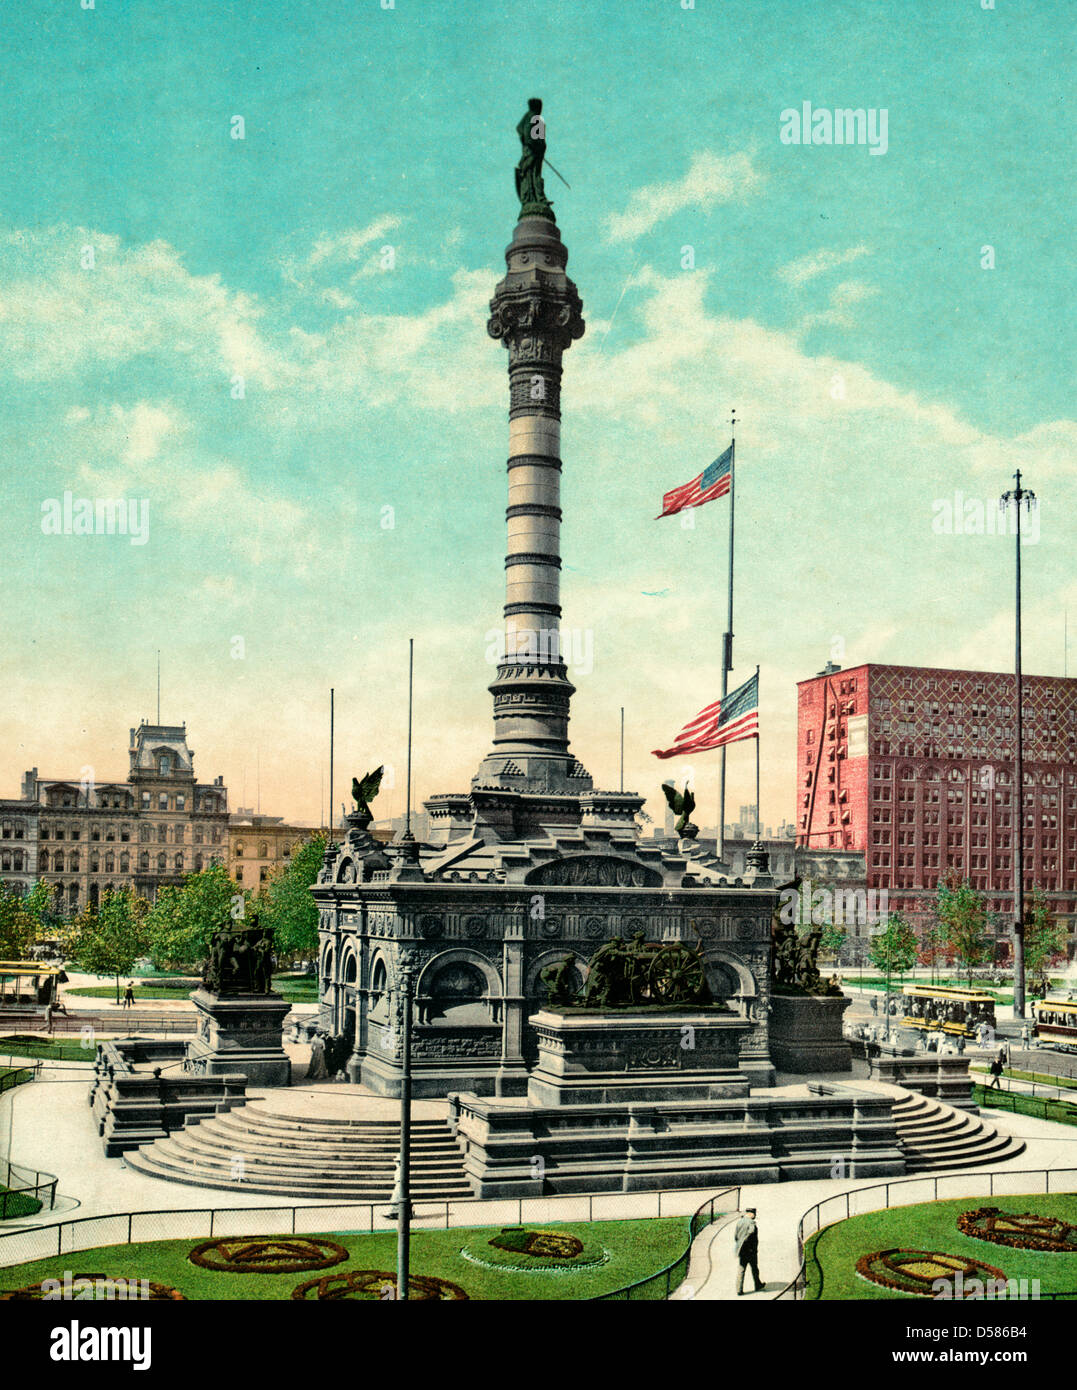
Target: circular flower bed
1025 1230
267 1254
157 1293
533 1250
378 1284
917 1271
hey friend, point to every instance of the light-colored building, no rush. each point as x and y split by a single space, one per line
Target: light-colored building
151 829
18 843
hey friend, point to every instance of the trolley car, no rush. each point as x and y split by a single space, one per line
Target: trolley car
949 1009
1056 1023
30 984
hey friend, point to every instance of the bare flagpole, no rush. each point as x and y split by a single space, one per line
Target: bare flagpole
727 644
329 843
622 787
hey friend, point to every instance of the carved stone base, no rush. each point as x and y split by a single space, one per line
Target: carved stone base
805 1034
240 1033
611 1057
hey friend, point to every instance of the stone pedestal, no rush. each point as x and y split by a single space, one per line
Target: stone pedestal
622 1056
805 1034
240 1033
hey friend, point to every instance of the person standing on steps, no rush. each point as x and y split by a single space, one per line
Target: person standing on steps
129 995
746 1245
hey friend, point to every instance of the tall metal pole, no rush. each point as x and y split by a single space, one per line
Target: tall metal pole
727 644
758 811
411 667
622 786
403 1211
329 842
1019 496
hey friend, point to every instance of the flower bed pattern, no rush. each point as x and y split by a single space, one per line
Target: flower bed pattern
916 1271
1025 1230
529 1249
267 1254
158 1293
378 1284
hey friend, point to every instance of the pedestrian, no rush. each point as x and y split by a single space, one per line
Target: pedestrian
996 1073
129 994
746 1245
874 1006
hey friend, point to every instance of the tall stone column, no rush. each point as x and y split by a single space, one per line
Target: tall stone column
536 313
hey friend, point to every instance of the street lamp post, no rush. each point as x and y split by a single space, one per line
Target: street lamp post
402 1195
1018 497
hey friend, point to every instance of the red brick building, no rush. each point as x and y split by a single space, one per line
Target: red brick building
914 767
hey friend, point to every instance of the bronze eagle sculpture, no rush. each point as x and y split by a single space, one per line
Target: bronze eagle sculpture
364 792
682 804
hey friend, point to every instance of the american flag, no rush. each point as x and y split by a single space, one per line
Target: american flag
715 481
728 720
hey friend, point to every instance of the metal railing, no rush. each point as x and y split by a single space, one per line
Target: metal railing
18 1075
661 1285
45 1241
1014 1182
21 1183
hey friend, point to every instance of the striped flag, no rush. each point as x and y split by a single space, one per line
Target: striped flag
715 481
734 717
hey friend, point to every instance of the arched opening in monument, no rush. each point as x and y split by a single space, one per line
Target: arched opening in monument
379 992
455 995
722 980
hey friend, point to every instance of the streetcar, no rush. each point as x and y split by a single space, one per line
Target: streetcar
952 1009
1056 1023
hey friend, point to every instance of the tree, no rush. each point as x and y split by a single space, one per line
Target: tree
16 924
933 950
182 920
111 937
962 918
1045 939
285 903
893 950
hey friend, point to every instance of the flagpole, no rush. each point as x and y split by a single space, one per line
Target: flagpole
758 812
727 644
622 787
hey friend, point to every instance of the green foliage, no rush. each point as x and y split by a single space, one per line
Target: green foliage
962 917
110 938
1045 939
16 924
893 950
286 906
182 920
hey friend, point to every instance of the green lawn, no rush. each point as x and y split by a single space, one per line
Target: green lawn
13 1204
1041 1078
933 1226
22 1046
297 989
1063 1112
140 992
636 1249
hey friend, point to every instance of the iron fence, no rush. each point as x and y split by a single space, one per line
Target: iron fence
21 1183
661 1285
860 1200
18 1075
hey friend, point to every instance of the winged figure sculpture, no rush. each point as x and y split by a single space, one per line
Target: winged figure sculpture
364 792
682 804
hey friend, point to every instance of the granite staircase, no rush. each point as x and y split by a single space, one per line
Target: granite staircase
252 1149
937 1138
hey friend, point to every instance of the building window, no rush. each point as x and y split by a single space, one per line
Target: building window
239 874
263 850
162 801
239 849
181 801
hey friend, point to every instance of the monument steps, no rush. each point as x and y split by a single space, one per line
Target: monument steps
313 1157
935 1137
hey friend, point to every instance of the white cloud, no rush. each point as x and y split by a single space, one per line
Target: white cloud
806 268
710 179
837 314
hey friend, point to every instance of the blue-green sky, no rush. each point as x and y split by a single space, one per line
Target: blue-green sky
838 300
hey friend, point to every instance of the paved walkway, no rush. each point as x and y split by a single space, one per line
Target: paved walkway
53 1129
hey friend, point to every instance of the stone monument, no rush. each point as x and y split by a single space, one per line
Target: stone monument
241 1016
806 1010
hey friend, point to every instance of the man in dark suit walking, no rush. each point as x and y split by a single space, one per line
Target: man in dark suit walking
746 1245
